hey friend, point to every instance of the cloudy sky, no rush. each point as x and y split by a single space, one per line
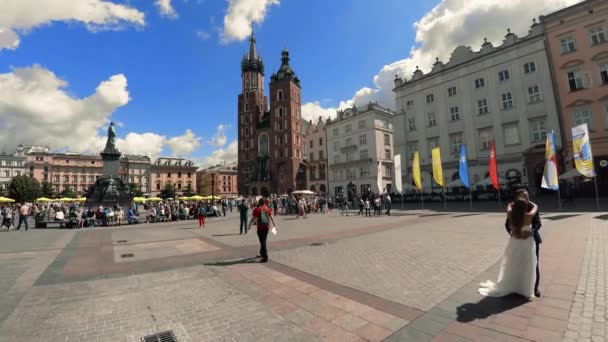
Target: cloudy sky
168 71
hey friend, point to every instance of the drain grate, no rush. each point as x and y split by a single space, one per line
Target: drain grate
315 244
122 241
128 255
165 336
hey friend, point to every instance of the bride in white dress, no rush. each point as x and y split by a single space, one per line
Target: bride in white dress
518 267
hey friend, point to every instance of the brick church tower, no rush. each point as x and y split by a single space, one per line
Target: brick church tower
271 143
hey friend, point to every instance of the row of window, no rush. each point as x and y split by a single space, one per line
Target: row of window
278 153
506 103
317 173
363 155
567 44
537 131
312 143
362 141
348 128
321 155
179 174
503 75
12 163
363 172
579 79
179 185
9 174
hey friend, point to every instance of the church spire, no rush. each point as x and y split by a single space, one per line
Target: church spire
252 51
251 61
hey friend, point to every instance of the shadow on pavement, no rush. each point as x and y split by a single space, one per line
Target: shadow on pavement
233 262
488 306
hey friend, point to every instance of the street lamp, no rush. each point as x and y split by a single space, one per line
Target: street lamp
212 187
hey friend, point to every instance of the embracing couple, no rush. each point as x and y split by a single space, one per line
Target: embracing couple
519 271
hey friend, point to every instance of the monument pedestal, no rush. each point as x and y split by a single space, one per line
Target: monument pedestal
109 189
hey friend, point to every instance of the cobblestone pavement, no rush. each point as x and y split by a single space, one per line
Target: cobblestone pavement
587 319
410 277
423 259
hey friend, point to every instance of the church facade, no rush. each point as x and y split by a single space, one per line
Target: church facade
271 142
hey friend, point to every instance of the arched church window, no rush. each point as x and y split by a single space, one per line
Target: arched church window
246 107
280 95
263 145
281 112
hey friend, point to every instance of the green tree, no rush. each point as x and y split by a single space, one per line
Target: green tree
168 192
24 189
67 192
188 192
47 190
136 189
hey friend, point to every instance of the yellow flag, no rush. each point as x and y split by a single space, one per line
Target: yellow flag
416 171
437 170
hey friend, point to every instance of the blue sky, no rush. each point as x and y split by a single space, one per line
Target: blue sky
182 74
177 80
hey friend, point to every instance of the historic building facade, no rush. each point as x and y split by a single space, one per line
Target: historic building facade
64 171
360 145
224 178
315 152
271 143
502 93
177 172
136 170
578 48
11 165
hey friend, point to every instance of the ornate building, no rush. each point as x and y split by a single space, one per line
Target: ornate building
221 177
271 143
178 172
316 152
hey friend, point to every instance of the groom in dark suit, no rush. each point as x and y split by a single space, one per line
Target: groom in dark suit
536 224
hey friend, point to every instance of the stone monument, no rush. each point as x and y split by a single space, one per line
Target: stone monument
110 189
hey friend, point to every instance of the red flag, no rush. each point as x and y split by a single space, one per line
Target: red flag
493 167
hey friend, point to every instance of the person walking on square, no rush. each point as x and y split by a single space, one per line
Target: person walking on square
24 212
263 215
536 225
243 209
388 203
361 206
201 215
368 211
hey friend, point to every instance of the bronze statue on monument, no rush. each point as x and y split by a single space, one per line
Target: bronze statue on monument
110 189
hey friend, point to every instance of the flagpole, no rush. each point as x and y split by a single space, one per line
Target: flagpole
470 198
499 201
445 203
422 195
559 196
597 196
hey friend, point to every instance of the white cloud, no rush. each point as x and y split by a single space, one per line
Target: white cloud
19 17
165 8
203 35
219 156
450 24
312 110
36 108
240 15
219 139
185 144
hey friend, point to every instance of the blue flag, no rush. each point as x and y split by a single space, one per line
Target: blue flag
463 170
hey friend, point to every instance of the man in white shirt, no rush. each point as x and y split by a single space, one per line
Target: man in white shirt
24 212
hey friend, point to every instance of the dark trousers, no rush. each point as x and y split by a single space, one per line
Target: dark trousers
243 224
262 236
537 269
23 219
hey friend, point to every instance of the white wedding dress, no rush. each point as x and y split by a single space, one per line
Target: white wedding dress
517 271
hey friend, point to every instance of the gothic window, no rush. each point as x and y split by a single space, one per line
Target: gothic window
281 112
263 145
280 95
